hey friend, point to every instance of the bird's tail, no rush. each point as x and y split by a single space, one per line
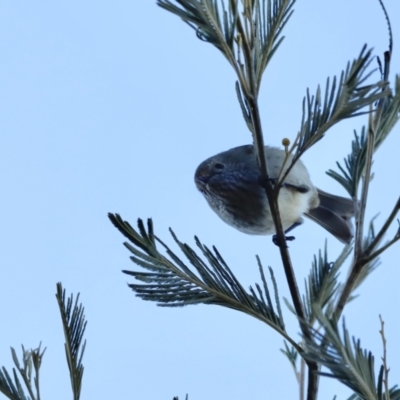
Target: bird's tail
334 213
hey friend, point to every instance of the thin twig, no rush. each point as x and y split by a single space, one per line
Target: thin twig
302 378
384 228
356 269
382 249
384 359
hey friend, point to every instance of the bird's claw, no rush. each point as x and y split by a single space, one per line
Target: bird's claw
276 241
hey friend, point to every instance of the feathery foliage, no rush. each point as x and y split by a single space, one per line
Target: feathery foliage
12 388
322 284
345 358
74 324
246 32
343 99
394 394
354 165
291 353
172 283
373 263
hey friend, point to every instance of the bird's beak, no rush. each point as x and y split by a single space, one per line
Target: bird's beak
201 181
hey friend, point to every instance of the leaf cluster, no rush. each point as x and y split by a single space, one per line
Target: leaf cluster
172 283
247 32
347 360
322 284
29 372
349 175
344 98
74 325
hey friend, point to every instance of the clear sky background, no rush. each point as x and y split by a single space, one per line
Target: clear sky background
109 107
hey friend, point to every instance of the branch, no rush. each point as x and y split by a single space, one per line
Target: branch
385 372
384 229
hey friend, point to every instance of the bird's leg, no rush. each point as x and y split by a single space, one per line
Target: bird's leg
300 189
295 225
276 241
288 238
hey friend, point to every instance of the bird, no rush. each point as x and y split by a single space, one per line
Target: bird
230 182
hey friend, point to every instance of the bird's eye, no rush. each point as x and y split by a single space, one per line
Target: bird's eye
219 166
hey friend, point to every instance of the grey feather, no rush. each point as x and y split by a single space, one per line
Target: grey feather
334 213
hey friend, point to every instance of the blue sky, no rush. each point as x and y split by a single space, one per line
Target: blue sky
110 108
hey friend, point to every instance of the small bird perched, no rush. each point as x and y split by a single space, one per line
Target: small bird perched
230 183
